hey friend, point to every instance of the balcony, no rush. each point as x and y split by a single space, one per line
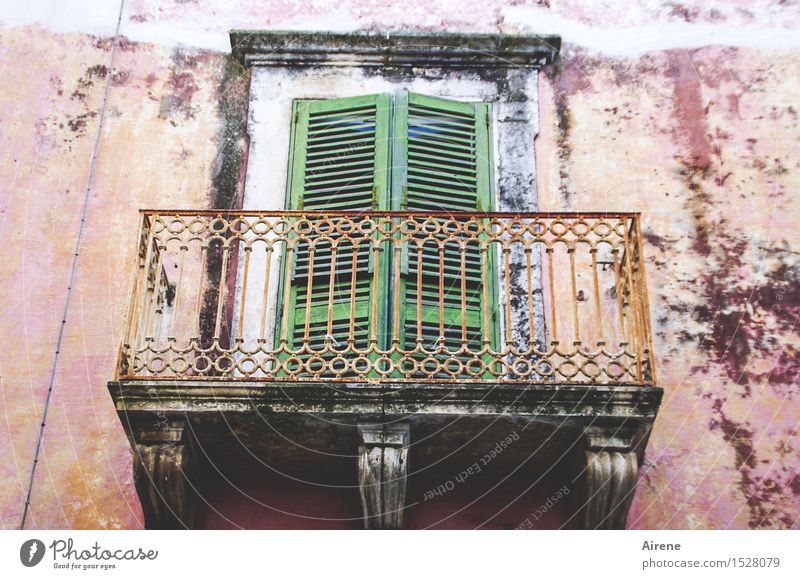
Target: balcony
422 319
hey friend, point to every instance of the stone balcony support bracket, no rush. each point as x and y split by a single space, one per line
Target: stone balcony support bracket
382 467
162 466
611 469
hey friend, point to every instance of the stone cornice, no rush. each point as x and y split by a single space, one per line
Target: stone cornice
403 49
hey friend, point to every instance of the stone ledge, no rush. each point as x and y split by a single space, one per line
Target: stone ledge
404 49
541 400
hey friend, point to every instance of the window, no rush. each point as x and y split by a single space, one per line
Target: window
400 151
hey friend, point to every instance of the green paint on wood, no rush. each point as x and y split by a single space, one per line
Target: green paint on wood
377 152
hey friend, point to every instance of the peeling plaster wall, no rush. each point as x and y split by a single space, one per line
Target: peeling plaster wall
641 114
162 145
704 142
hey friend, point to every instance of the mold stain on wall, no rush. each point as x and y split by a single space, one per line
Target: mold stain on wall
723 272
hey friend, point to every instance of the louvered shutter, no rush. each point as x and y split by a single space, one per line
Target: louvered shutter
443 150
338 161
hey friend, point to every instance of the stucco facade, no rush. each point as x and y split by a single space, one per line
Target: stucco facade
684 111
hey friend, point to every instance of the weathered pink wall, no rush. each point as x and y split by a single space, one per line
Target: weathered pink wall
703 140
159 148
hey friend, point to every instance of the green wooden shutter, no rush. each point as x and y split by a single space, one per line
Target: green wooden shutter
338 161
443 149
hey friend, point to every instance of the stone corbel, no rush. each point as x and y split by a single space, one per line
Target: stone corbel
611 469
161 469
382 460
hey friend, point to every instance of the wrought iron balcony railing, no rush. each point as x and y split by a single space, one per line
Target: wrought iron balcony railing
388 296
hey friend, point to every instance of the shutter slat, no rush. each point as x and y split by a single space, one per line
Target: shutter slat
343 128
333 190
328 109
361 155
346 178
459 191
424 166
339 144
443 145
453 155
424 115
423 126
339 135
449 203
332 173
440 139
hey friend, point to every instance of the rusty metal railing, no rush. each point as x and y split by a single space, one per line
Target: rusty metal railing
393 296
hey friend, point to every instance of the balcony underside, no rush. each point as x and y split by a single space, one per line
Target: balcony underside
181 429
312 429
322 416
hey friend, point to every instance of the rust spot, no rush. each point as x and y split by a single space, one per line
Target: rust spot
561 91
182 86
107 43
733 104
98 71
736 435
691 129
787 367
572 77
652 238
761 492
731 341
78 124
720 180
690 111
744 320
684 13
120 78
726 313
697 203
794 484
125 45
